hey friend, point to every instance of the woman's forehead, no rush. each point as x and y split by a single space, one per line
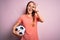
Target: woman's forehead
32 4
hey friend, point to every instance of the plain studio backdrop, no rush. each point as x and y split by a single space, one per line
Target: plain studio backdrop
10 10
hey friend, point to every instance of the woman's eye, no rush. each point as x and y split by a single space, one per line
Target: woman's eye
33 7
29 5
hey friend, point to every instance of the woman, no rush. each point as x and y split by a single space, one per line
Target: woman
29 20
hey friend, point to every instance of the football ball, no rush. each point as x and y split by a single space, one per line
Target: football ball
20 30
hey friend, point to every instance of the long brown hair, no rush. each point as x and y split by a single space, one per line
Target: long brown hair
33 13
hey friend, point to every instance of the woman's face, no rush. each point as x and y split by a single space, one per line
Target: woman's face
31 6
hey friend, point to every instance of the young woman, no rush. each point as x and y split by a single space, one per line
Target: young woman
29 20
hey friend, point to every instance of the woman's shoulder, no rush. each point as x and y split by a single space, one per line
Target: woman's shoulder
23 15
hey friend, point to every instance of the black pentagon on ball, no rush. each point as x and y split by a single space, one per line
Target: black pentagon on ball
16 29
20 32
21 28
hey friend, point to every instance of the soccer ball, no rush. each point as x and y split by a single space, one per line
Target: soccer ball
20 30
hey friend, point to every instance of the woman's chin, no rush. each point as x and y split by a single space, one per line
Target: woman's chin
30 12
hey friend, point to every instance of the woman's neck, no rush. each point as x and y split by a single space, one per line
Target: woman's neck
29 15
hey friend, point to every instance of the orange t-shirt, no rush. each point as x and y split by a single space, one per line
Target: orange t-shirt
31 31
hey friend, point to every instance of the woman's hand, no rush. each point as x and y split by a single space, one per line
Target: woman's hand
16 34
34 9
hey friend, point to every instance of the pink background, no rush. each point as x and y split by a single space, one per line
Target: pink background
10 10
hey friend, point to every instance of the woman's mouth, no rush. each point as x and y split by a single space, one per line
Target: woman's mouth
30 9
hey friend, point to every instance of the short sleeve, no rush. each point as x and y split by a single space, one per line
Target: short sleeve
19 20
37 18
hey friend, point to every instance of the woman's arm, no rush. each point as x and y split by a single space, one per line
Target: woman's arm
15 32
39 17
19 21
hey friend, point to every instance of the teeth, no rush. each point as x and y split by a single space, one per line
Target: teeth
30 10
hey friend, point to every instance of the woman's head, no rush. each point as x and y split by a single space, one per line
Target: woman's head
30 6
